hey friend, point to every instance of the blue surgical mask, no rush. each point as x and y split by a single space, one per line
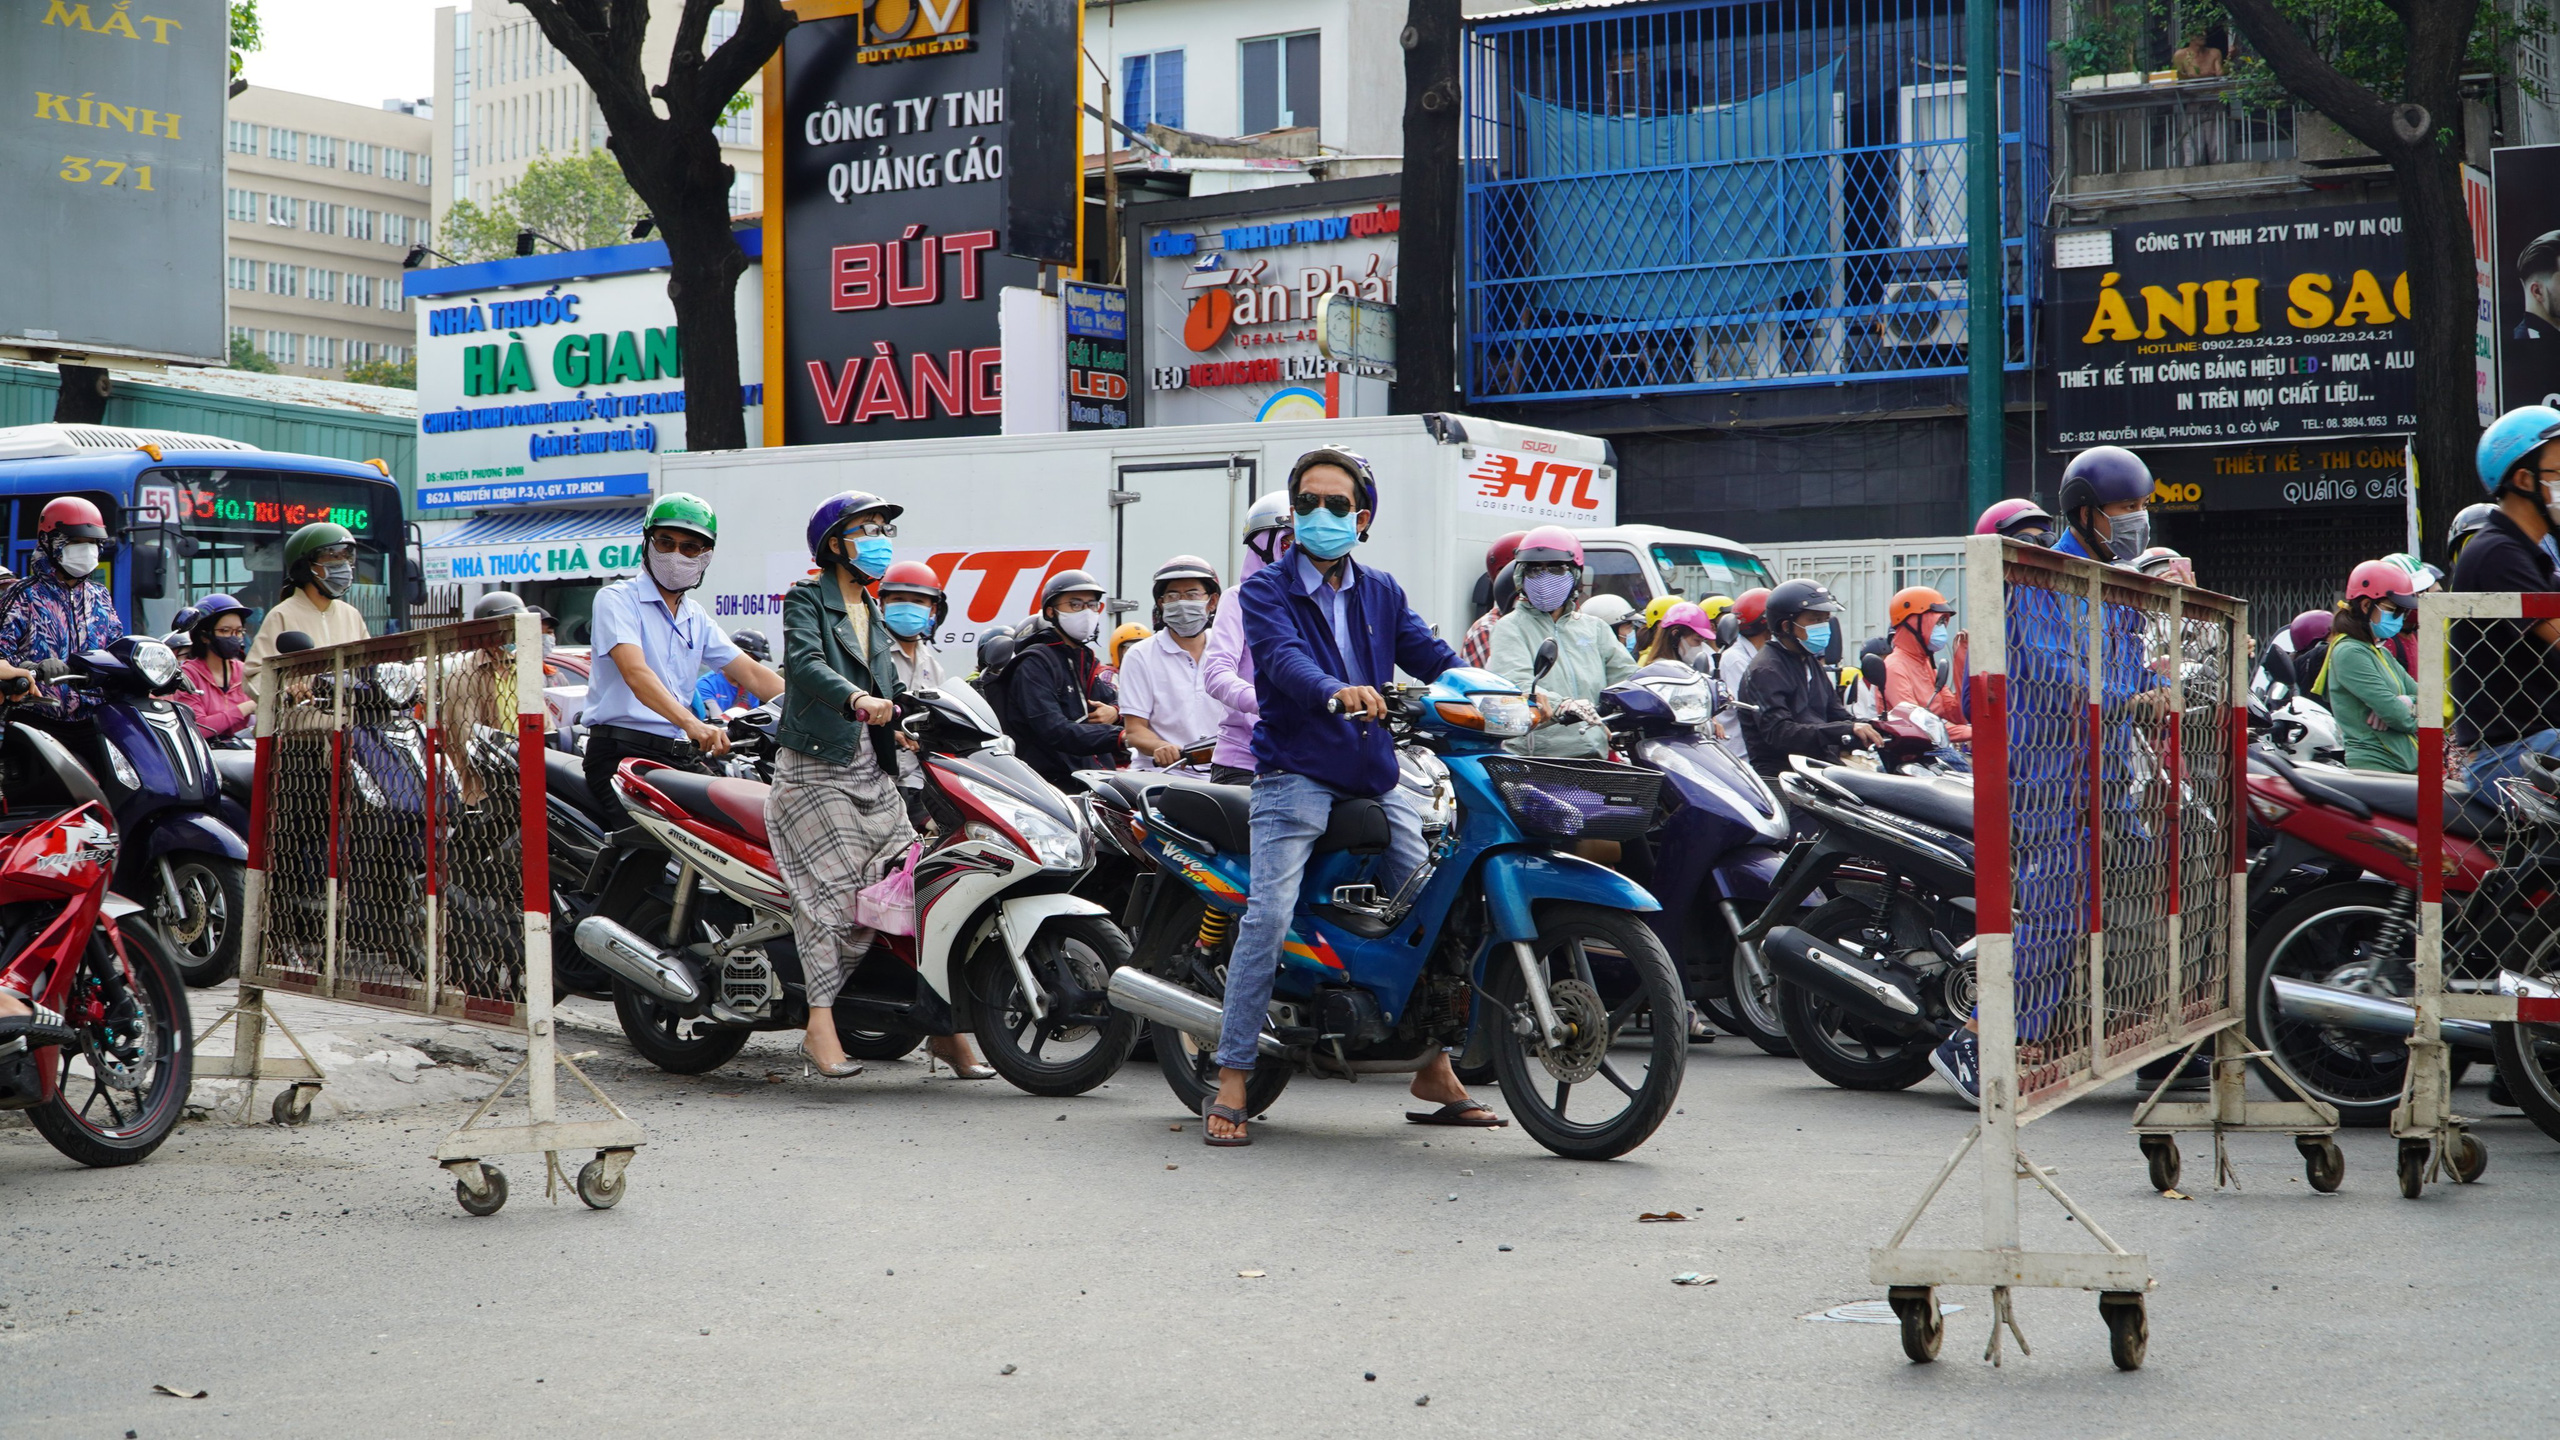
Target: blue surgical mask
2386 623
1939 638
871 555
1818 639
1325 535
906 618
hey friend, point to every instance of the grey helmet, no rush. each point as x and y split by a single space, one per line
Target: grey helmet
497 603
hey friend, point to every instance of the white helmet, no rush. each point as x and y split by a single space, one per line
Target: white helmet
1609 610
1268 515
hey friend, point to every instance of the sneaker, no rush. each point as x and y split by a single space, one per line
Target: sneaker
1958 1061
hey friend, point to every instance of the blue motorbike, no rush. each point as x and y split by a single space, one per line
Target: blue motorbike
1504 944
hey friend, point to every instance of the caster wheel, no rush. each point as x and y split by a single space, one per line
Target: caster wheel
595 1189
2468 1158
1923 1328
489 1203
292 1106
2128 1328
2323 1163
2162 1152
2413 1167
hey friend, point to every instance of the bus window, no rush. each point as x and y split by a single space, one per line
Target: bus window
1698 571
1608 571
240 520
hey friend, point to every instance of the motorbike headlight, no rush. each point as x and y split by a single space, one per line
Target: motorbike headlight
1687 699
126 775
397 682
155 661
1049 841
1491 712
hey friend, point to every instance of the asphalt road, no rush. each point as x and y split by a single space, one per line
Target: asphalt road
795 1254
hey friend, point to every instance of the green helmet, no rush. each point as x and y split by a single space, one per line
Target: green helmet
311 539
677 510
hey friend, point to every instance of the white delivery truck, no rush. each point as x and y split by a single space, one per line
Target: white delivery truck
996 515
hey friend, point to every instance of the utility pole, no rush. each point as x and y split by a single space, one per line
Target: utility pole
1986 318
1427 238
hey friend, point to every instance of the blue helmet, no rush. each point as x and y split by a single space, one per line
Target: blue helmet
2510 438
2102 475
836 509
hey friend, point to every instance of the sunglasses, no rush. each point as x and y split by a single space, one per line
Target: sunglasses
667 542
1335 505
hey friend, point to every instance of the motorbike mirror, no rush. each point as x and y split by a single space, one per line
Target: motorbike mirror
150 562
1547 654
413 559
1871 670
2280 668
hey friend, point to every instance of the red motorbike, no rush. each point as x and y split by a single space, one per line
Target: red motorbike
102 1067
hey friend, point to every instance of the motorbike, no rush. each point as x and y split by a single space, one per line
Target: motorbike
1001 948
1503 942
102 1067
2301 726
1715 845
181 842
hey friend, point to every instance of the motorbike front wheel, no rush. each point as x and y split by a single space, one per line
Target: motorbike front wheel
203 932
1603 969
2327 938
120 1094
1083 1039
1836 1045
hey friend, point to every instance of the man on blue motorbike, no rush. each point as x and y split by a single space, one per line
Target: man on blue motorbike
1326 636
61 610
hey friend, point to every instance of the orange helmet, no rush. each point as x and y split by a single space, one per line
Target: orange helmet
1126 636
1917 600
1751 609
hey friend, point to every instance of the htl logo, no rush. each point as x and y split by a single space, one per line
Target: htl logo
999 572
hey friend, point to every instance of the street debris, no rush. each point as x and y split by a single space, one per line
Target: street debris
175 1391
1658 1217
1692 1277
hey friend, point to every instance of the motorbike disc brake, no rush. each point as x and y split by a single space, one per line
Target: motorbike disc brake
1586 1021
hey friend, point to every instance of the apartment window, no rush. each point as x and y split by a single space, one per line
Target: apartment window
359 224
284 210
742 128
742 195
395 164
360 290
283 279
324 352
1151 90
240 205
391 296
315 218
324 284
360 157
244 138
284 144
724 23
321 150
241 274
1281 75
422 177
245 334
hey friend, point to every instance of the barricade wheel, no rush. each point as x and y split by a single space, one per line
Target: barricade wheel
2162 1152
2413 1167
596 1188
2323 1163
490 1203
2467 1158
2128 1327
1923 1328
292 1105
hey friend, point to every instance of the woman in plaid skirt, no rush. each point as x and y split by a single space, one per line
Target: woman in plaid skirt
835 815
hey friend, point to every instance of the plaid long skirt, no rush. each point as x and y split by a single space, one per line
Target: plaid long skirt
835 829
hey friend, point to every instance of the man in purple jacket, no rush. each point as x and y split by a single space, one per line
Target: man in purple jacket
1322 630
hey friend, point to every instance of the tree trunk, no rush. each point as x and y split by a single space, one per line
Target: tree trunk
1427 235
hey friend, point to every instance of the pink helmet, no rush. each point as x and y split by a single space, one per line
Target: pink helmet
2308 629
2018 518
1548 545
1685 616
2382 580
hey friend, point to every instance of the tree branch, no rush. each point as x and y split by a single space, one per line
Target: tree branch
2289 52
761 26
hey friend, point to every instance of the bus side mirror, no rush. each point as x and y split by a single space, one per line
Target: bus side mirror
150 562
413 556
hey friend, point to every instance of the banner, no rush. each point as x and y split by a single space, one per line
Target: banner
2524 183
1097 355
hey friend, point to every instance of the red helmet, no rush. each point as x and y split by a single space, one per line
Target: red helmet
1750 609
916 578
70 518
1499 553
2381 580
2019 518
1549 545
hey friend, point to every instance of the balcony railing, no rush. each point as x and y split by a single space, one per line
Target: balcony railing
2172 126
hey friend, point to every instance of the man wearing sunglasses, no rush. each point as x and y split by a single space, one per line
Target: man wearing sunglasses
658 642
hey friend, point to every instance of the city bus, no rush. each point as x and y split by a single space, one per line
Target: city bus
199 515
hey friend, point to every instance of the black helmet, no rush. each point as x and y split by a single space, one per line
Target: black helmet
1791 601
1067 582
1364 480
995 646
496 603
753 643
1183 567
2471 521
1506 588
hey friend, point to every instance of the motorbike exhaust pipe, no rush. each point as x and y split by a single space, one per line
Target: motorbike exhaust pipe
1824 969
2312 1004
636 960
1197 1016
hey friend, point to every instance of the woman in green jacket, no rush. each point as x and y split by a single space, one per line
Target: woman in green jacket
2370 693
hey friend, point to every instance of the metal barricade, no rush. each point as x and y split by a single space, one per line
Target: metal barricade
2110 731
397 858
2483 981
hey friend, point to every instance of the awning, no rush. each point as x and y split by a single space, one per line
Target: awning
528 545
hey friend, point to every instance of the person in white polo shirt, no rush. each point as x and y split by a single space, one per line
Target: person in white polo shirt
1164 708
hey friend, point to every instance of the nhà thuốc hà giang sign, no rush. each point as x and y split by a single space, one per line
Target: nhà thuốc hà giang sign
2290 325
535 391
1233 309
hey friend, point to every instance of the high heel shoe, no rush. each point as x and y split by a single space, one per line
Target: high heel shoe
809 1066
958 1070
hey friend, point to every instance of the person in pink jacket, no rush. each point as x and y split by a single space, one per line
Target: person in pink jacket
1923 626
218 683
1226 667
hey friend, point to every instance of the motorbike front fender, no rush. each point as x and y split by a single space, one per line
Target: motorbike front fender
195 830
1021 916
1516 881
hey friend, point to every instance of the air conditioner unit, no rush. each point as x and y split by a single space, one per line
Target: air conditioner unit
1914 329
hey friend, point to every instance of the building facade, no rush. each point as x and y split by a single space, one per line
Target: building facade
1229 67
321 202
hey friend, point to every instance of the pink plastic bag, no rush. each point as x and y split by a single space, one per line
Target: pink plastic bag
888 904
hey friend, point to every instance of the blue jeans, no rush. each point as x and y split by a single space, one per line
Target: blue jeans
2493 763
1289 813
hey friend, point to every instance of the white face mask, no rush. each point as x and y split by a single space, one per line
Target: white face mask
678 572
78 559
1691 650
1186 618
337 579
1080 625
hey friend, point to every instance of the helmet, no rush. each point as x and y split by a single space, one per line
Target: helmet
495 603
1750 611
1916 600
1549 545
677 510
67 519
1183 567
2384 581
2017 518
2109 475
1609 610
183 621
995 646
2422 576
1716 606
2471 521
308 541
1506 589
2161 562
916 578
753 644
1657 607
1685 616
1796 598
2308 629
836 509
1126 636
1267 516
1499 553
2510 438
1068 582
202 614
1364 481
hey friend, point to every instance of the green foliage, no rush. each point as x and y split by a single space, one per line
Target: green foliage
245 355
403 376
582 201
245 34
2366 40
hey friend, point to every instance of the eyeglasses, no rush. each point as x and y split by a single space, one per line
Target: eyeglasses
668 542
335 554
1077 604
1305 504
866 529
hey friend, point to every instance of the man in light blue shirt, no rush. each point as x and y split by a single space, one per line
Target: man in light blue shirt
650 641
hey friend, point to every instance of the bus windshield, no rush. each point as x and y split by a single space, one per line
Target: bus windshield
1698 571
239 521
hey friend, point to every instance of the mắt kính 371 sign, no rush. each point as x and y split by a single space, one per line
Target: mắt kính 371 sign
2283 326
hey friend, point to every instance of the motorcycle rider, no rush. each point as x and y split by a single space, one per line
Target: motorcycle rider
1740 634
1164 708
1923 629
1796 709
1683 634
2506 673
1478 643
913 606
1324 630
319 569
715 693
1226 667
651 639
1121 639
2017 518
1589 658
2370 694
61 609
1057 707
1618 614
217 682
2105 500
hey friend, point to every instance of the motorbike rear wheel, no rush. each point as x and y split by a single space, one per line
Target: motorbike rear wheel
1576 944
2322 938
122 1094
1070 954
1836 1045
204 934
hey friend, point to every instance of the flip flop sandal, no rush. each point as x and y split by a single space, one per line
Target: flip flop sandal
1466 1114
1212 1110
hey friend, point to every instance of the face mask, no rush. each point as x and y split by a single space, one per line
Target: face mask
2128 535
1325 535
77 560
1546 591
1186 618
1939 639
906 618
2386 623
1628 639
337 579
549 644
871 555
1818 639
678 572
1691 650
230 647
1080 625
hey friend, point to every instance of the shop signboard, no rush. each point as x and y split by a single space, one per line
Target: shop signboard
889 143
2524 255
1097 319
2309 475
2213 330
1234 308
535 390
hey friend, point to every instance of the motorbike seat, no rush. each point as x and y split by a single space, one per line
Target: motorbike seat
2468 814
567 778
720 801
238 770
1130 787
1931 802
1222 815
